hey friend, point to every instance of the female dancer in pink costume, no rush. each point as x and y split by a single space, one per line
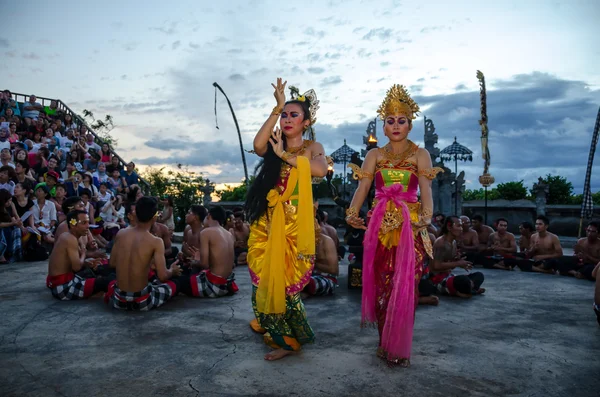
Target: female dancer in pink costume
396 240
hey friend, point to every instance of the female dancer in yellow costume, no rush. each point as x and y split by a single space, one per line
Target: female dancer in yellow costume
281 246
396 240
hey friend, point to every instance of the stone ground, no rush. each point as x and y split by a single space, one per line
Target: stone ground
529 335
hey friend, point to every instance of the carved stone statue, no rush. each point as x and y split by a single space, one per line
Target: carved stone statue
541 191
207 189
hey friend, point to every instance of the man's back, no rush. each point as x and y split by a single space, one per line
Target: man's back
59 262
132 253
220 250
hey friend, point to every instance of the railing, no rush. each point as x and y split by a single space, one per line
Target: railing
79 121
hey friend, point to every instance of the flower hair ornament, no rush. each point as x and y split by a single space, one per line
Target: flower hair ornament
398 101
313 106
73 222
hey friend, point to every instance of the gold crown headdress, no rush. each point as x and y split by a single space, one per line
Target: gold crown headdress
311 95
398 101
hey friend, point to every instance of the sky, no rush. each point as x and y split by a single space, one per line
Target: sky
151 66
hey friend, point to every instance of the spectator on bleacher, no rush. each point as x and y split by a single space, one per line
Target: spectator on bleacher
51 179
58 200
104 193
87 182
23 203
114 164
86 197
35 126
81 145
76 157
52 111
105 153
57 127
21 155
100 175
5 158
91 164
130 176
13 137
7 102
69 123
23 173
72 183
66 142
31 110
10 232
91 144
4 142
9 114
7 175
44 214
116 182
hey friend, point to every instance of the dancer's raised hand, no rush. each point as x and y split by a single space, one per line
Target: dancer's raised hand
279 93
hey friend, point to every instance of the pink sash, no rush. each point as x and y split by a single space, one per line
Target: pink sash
398 330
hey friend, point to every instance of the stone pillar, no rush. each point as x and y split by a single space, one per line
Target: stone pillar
541 190
460 181
207 189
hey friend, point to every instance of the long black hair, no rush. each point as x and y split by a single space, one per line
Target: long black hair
267 173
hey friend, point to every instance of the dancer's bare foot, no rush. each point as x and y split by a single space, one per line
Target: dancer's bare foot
402 363
480 291
500 265
278 354
429 300
540 269
461 295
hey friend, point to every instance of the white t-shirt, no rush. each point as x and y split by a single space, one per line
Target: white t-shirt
48 213
5 145
32 114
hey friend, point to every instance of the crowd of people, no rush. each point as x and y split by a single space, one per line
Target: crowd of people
47 158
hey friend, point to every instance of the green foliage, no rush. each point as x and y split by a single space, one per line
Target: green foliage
102 128
479 194
185 186
560 189
512 190
237 193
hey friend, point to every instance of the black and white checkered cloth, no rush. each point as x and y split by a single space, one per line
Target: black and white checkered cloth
152 296
74 289
587 206
322 285
207 285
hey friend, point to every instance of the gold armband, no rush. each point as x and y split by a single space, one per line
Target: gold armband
351 212
430 173
277 110
426 213
285 156
358 173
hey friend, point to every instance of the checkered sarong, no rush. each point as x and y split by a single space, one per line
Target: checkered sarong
70 286
152 296
208 285
444 283
321 284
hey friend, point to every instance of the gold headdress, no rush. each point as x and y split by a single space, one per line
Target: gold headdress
311 95
398 101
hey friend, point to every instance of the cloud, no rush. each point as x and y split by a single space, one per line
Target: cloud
314 33
168 29
384 64
175 45
194 46
131 46
379 33
312 57
30 55
116 25
436 28
4 43
364 53
315 70
237 77
332 80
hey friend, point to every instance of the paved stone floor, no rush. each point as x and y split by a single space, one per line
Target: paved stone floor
529 335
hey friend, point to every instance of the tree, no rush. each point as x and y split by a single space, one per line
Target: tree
183 185
102 128
479 194
560 189
512 190
237 193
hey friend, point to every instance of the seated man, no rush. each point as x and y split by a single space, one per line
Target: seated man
427 289
162 231
502 245
194 220
68 258
135 249
324 278
526 231
241 232
468 243
483 235
545 248
215 258
445 260
587 255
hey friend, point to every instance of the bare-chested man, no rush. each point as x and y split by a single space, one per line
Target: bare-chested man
597 292
483 233
68 258
427 289
215 258
468 243
240 232
134 251
501 244
194 220
545 247
162 231
587 255
445 259
324 278
526 231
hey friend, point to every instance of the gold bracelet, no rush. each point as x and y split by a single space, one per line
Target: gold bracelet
351 212
285 156
426 213
277 110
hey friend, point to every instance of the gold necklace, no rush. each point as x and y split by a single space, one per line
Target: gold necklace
388 154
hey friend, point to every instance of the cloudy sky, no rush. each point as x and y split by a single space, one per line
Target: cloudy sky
151 66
